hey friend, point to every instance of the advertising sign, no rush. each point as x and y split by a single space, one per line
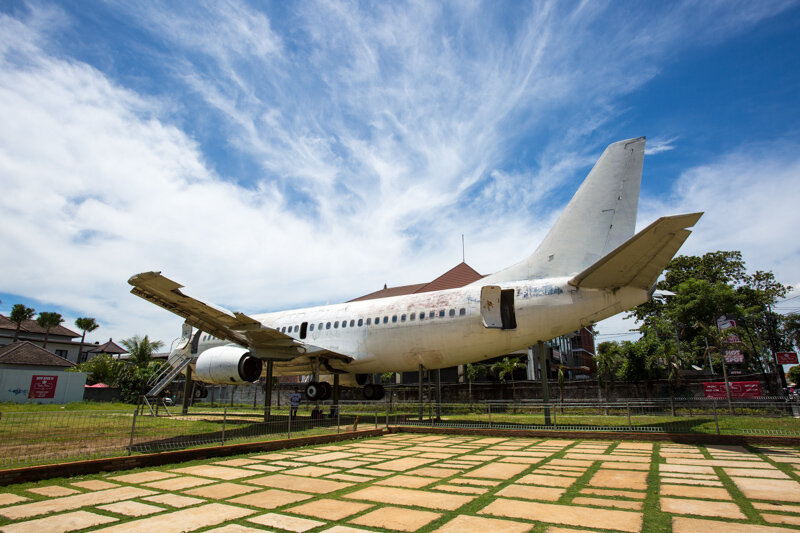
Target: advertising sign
734 356
786 358
739 389
726 322
43 387
732 339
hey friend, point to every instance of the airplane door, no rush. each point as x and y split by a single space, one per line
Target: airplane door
490 306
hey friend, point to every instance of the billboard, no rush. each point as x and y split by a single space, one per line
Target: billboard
734 356
739 389
786 358
43 387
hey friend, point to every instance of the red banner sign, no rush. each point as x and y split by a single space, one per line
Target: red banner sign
786 358
739 389
43 387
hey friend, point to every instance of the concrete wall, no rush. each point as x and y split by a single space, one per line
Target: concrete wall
15 386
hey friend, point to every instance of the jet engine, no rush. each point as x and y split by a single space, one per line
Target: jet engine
224 365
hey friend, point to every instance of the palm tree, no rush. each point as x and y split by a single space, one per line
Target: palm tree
85 324
19 314
507 367
473 371
48 321
141 349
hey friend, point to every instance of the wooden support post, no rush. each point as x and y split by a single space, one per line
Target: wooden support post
545 385
268 393
187 390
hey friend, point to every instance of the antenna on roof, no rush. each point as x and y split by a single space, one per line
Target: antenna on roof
462 249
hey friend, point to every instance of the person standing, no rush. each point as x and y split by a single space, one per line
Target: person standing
294 400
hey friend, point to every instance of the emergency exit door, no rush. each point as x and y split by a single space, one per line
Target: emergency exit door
497 307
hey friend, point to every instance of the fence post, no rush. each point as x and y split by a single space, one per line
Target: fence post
289 425
376 415
490 413
628 407
338 418
224 419
716 421
555 420
133 428
387 415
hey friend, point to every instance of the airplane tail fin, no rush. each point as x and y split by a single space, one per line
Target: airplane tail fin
600 217
640 260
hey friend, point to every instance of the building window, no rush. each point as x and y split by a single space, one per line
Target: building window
61 353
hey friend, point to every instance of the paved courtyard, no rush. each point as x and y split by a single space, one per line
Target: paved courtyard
441 483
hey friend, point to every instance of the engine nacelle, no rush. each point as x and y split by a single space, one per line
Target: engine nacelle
224 365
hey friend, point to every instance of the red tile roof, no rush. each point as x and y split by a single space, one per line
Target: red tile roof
458 276
31 326
109 347
27 353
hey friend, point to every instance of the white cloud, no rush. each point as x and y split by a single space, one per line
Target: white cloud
659 144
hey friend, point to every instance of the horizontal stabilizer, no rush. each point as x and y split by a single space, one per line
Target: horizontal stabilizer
639 261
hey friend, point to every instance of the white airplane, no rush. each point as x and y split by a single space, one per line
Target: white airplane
590 266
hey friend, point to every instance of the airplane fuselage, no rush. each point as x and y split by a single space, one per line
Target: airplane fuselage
441 328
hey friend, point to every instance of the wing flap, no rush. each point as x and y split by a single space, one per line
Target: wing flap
639 261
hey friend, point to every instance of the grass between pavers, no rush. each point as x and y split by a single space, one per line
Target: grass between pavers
654 519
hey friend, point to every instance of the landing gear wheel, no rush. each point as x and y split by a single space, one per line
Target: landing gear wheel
314 391
199 392
373 392
326 389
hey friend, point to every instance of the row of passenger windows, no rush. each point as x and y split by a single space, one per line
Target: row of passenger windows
441 313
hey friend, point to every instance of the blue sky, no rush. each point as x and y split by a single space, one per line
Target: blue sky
274 155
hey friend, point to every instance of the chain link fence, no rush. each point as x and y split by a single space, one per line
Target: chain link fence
28 438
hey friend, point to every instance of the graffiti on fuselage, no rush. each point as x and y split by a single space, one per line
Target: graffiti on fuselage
535 292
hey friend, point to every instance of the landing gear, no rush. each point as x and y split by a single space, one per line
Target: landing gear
318 391
373 392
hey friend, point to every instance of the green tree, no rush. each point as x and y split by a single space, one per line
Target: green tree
139 367
793 375
473 371
85 324
506 367
19 314
101 369
48 321
141 349
791 327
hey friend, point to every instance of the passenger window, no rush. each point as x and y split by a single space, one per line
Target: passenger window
360 322
452 313
441 313
328 325
377 320
368 321
352 323
462 312
394 318
336 324
311 327
422 315
402 318
412 316
344 323
432 314
296 329
319 326
386 319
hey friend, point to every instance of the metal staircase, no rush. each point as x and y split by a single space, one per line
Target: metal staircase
179 359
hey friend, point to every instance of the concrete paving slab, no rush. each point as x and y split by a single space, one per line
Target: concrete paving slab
210 514
265 468
401 465
8 498
570 515
460 489
693 482
396 519
776 490
605 502
221 491
143 477
94 484
344 529
289 523
437 455
174 500
530 492
607 457
709 493
312 471
412 497
237 462
234 528
179 483
328 509
302 484
756 472
277 456
325 457
697 525
549 472
701 508
619 479
53 491
130 508
546 481
781 519
522 460
722 463
498 471
476 524
432 471
270 499
351 477
678 475
474 482
288 464
59 523
777 507
370 472
616 493
570 462
613 465
345 463
409 482
216 472
76 501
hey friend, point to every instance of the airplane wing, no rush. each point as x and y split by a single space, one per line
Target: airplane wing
639 261
266 343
